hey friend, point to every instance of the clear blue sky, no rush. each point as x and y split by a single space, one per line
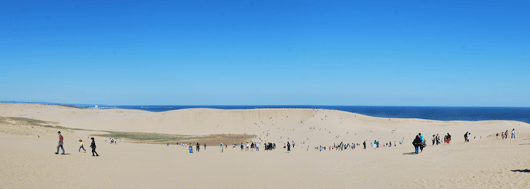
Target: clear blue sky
196 52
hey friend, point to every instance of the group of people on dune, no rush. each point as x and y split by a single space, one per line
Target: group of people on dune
81 146
419 141
504 134
244 147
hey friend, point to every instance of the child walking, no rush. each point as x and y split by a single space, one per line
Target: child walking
81 146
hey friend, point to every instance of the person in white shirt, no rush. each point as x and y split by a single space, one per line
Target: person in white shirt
433 139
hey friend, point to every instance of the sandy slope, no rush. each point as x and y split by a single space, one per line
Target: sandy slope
29 162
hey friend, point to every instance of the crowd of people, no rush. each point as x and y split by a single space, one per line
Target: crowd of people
351 146
504 134
419 143
253 146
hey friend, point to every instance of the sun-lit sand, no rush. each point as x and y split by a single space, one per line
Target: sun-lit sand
27 161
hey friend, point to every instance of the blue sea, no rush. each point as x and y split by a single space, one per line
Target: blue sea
432 113
421 112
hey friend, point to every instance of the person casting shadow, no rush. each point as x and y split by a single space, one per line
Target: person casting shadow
93 146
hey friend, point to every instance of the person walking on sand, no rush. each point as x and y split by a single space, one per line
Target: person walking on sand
60 143
364 145
198 147
513 133
93 146
204 146
448 140
422 142
288 146
433 139
417 143
81 146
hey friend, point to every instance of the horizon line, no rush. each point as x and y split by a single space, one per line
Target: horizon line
86 105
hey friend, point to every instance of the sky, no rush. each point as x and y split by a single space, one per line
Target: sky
200 52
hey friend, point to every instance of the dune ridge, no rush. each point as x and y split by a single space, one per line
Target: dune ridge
485 162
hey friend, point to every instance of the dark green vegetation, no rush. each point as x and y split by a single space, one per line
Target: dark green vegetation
214 139
150 137
25 121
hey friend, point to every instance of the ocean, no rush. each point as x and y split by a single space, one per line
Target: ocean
433 113
421 112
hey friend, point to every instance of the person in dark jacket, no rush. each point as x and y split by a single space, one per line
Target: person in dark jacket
288 147
364 144
417 143
93 146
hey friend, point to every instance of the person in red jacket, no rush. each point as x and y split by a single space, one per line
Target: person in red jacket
60 143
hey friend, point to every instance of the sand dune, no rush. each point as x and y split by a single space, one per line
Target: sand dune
485 162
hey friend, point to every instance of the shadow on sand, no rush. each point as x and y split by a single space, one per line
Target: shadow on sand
525 144
409 153
522 170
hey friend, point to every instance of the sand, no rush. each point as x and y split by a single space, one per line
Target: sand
27 161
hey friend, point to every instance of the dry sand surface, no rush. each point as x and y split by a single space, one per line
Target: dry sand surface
27 161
